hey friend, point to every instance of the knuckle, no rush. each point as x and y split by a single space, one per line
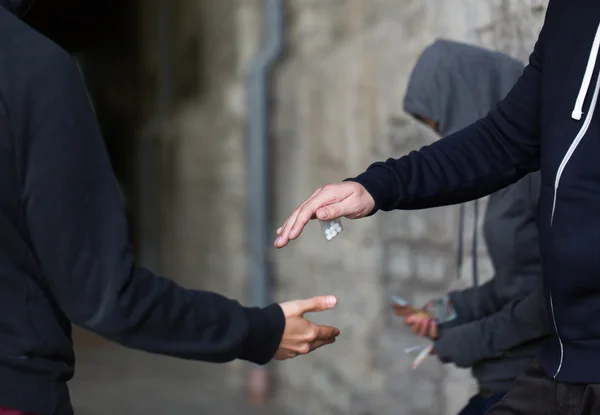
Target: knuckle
304 349
314 333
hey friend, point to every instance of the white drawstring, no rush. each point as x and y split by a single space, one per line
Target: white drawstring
587 77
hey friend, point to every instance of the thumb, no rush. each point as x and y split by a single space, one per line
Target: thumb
321 303
333 211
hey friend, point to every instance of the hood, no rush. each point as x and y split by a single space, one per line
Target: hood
73 24
455 84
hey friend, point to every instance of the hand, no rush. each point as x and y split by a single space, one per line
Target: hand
422 325
348 199
301 336
407 310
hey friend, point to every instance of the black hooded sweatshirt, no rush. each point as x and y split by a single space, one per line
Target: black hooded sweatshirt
501 324
548 122
64 252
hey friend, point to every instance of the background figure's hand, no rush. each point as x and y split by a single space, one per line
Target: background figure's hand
348 199
300 335
407 310
422 325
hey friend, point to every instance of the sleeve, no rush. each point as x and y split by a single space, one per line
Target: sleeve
517 323
475 302
488 328
78 232
474 162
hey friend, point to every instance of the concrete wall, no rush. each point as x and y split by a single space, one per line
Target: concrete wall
337 107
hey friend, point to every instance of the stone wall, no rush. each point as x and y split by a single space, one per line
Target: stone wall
337 107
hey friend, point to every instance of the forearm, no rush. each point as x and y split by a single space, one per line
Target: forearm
474 162
475 303
78 232
156 315
467 165
517 323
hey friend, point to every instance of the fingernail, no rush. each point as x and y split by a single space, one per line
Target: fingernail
279 231
331 301
324 214
278 241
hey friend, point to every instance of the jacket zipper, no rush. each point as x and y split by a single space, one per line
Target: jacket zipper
576 115
562 352
574 144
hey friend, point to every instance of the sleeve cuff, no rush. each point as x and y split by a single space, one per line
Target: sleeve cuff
454 346
459 308
378 189
444 347
266 327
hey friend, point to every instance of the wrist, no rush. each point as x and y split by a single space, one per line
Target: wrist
265 330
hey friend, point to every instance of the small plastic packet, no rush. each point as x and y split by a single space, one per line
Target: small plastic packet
331 228
441 309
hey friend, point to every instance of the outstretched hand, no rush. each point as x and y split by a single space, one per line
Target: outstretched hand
348 199
302 336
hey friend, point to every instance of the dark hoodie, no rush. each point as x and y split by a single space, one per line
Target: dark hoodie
500 325
547 122
64 252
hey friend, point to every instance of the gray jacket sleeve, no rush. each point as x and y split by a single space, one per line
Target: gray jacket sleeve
516 323
475 302
494 318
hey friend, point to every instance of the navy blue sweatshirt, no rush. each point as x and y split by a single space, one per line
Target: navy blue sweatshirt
548 123
60 209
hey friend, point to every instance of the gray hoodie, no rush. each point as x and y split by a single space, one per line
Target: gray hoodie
502 323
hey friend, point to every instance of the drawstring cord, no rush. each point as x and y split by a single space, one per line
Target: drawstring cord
461 234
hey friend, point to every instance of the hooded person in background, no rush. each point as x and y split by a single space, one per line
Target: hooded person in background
64 251
498 327
549 121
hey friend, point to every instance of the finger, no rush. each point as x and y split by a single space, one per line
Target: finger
411 319
415 318
433 332
328 204
283 234
428 329
283 238
424 328
315 304
320 343
288 354
327 332
325 206
417 326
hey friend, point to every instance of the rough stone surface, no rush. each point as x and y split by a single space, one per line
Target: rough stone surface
337 106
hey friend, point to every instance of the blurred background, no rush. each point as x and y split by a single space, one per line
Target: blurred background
211 107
